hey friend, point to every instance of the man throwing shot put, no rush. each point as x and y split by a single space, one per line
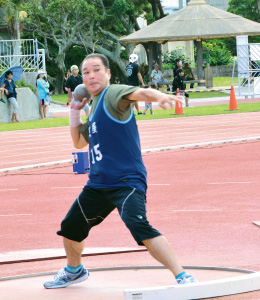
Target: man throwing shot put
117 177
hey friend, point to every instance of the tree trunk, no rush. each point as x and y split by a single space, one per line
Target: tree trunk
151 56
154 49
122 71
159 54
59 82
258 5
16 33
60 65
199 59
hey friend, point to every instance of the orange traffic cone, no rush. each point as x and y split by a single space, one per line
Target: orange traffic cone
233 100
178 105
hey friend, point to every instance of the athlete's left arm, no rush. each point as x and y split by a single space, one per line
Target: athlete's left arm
151 95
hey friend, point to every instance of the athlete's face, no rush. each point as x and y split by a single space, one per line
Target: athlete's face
95 76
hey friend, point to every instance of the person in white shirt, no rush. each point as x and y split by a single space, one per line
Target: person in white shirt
157 77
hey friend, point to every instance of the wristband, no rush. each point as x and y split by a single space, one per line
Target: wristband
75 119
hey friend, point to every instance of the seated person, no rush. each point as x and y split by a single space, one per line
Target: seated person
179 84
188 74
2 90
157 77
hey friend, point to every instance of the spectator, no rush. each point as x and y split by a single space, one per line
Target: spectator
148 105
178 65
43 89
2 90
188 74
179 84
134 76
9 87
66 78
73 80
157 77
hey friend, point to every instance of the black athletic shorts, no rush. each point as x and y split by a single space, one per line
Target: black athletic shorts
93 205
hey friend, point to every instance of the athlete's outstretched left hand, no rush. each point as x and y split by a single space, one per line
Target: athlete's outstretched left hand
165 101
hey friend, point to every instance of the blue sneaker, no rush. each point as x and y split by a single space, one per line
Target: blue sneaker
186 279
64 278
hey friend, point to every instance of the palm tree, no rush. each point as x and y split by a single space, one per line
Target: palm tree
13 16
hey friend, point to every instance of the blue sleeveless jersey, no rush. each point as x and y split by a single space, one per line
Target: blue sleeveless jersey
114 151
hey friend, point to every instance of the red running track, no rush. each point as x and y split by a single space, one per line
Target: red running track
30 147
203 200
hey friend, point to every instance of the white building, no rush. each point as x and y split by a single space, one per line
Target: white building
221 4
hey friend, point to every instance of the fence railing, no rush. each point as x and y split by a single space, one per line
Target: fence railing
248 65
23 53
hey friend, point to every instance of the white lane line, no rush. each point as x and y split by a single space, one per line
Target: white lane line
67 187
231 182
15 215
199 145
79 187
37 153
196 210
6 190
39 161
158 184
39 165
31 148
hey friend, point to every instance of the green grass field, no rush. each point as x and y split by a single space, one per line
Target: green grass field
159 114
224 81
217 82
193 95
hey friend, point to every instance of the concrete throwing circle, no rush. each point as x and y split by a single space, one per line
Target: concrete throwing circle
137 282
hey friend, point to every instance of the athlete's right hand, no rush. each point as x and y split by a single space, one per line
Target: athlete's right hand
78 105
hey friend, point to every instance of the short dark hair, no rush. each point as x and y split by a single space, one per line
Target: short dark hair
177 60
8 73
179 71
97 55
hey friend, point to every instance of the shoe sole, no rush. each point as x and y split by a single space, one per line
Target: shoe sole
85 277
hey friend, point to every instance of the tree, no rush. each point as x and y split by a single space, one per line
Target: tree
248 9
95 25
13 16
56 24
218 53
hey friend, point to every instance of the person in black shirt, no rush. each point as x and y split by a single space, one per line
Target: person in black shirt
134 76
178 65
74 80
178 83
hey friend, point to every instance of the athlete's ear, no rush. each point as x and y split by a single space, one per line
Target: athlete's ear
108 73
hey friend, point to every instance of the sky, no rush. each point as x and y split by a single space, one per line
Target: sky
173 3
